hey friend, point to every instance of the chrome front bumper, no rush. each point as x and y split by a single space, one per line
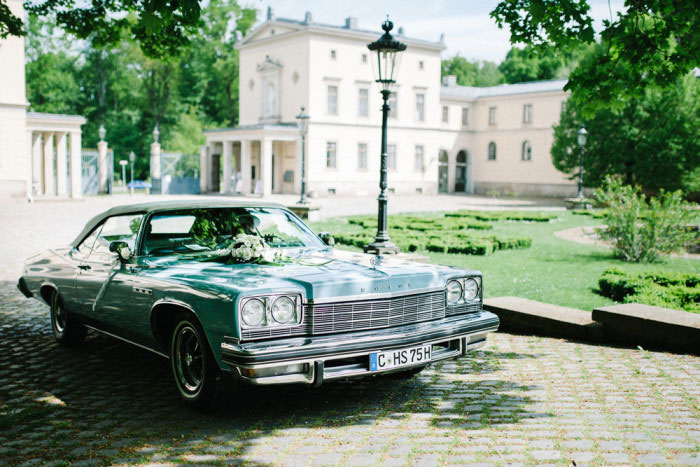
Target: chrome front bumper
313 360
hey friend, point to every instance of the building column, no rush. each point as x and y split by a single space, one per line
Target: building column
246 149
102 167
49 187
61 165
37 180
76 161
266 166
204 169
228 161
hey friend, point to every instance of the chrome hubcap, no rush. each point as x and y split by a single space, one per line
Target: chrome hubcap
59 318
189 359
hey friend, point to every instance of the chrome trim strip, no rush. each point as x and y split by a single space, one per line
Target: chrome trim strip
127 341
363 297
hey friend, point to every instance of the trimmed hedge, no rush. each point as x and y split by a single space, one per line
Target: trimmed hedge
665 289
521 216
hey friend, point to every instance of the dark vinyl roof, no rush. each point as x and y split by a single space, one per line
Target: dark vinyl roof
171 205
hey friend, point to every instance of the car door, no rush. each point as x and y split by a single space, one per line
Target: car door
101 271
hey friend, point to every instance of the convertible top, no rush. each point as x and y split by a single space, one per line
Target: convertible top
172 205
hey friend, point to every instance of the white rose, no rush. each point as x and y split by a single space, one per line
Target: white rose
125 253
268 255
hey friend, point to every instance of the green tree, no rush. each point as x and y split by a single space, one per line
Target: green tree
528 64
468 73
651 44
652 141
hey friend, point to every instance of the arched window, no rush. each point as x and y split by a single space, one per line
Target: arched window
527 151
462 157
492 151
443 156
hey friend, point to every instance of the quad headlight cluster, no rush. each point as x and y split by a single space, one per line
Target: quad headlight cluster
270 310
465 289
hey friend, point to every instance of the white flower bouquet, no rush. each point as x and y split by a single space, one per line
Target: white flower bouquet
253 249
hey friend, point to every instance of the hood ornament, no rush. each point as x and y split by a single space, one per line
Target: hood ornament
373 262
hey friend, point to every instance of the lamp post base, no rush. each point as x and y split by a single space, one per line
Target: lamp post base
382 248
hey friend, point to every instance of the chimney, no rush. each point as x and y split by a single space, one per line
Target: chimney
400 30
307 17
269 13
449 80
442 38
350 22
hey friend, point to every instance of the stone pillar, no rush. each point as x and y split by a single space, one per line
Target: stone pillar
227 162
246 149
155 168
204 169
49 171
76 161
266 166
61 165
37 179
102 167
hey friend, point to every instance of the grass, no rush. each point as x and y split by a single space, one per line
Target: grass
552 270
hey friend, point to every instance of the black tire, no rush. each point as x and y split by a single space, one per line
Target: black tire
406 374
66 329
197 377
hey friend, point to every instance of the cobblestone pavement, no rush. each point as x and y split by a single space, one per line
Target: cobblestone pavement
519 400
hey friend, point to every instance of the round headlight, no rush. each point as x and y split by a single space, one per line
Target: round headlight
283 310
471 289
253 312
454 292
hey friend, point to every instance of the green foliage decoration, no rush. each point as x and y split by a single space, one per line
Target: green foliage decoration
641 230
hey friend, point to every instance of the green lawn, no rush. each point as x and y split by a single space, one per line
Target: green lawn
553 270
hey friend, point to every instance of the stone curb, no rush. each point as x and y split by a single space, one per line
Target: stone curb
630 324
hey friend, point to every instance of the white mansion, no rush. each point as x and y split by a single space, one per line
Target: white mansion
442 137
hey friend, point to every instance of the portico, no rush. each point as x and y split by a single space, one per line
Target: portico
256 159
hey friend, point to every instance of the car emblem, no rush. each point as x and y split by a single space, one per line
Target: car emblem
373 261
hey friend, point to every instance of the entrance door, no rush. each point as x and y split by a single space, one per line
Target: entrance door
443 172
461 172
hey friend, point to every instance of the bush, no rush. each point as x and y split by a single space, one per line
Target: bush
658 288
522 216
642 231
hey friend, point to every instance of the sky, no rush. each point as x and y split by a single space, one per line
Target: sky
468 28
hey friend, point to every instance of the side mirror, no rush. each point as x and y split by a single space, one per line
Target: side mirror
327 238
121 248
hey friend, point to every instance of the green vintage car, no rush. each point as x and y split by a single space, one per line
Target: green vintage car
243 291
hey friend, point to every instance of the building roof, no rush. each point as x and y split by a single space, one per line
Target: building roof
56 117
257 126
471 92
350 29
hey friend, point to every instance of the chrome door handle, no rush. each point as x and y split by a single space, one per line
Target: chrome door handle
84 267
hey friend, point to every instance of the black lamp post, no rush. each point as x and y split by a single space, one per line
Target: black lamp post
388 59
582 134
303 122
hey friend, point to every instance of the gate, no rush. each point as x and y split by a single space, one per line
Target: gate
179 173
89 173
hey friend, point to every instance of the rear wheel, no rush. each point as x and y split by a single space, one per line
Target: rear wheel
198 379
66 329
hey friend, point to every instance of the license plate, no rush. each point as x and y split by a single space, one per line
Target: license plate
388 359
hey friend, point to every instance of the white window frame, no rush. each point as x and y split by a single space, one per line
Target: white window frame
331 155
363 102
527 113
419 157
465 116
445 114
362 156
420 107
492 115
332 99
391 157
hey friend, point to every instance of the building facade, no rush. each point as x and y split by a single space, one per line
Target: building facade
442 137
39 153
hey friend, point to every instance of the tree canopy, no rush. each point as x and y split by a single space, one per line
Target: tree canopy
129 92
472 73
652 43
651 141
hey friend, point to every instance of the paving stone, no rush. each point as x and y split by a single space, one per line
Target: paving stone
616 457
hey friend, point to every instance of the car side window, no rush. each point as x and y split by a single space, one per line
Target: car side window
123 228
83 249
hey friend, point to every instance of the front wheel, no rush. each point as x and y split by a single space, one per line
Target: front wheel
66 329
198 379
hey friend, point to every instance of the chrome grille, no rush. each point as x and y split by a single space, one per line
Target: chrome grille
381 313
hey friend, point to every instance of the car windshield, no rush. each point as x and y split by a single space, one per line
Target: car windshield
209 229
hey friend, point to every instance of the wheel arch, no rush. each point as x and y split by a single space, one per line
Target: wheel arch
163 314
45 291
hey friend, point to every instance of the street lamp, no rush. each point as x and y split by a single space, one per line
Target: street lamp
132 158
102 132
388 59
303 123
582 134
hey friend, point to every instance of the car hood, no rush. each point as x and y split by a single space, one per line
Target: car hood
320 274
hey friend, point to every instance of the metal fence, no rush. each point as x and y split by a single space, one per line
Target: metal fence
179 173
90 174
